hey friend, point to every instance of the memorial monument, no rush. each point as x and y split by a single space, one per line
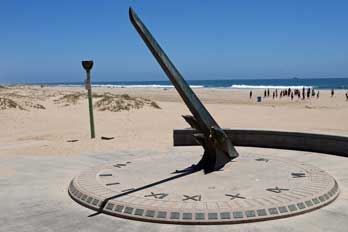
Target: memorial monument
224 186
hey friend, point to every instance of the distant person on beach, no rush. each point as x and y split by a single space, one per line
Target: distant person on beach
313 92
292 96
273 94
308 92
346 96
250 94
267 92
297 93
318 94
276 92
332 92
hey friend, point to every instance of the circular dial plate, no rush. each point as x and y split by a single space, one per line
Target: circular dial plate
250 188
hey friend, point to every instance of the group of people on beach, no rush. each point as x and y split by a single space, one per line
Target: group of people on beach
300 94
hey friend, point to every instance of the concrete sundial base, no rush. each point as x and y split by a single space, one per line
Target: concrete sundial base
158 188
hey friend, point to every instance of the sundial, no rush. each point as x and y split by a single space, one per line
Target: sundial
223 186
252 188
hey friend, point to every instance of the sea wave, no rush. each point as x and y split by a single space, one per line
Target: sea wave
269 86
140 86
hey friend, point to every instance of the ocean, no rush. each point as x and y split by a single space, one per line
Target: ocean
294 83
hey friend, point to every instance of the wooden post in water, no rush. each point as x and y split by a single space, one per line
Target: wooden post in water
87 65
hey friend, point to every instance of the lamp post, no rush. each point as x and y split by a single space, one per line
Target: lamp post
87 65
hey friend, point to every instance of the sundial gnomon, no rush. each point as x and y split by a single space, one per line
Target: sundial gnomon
220 188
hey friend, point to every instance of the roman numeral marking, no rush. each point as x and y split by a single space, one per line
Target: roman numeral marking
119 165
232 197
298 174
262 159
277 189
115 183
108 174
127 190
157 195
194 198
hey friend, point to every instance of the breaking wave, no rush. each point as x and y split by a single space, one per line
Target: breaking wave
269 86
142 86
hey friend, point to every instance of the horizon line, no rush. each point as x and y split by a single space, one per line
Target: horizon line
149 81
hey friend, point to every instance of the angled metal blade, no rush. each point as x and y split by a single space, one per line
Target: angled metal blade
198 110
204 121
191 121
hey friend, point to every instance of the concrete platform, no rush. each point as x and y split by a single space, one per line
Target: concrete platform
34 196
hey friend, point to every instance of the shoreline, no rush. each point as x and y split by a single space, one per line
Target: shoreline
235 83
166 87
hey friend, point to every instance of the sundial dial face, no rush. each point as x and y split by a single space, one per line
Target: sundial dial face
253 187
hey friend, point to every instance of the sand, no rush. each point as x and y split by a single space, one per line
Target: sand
47 117
37 163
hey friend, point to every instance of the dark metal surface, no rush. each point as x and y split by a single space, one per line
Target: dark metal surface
321 143
204 119
87 65
218 148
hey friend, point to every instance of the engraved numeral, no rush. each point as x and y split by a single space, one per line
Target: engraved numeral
157 195
114 183
119 165
194 198
262 159
127 190
106 174
235 196
277 189
298 174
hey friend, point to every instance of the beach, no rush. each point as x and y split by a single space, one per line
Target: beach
45 143
47 123
102 126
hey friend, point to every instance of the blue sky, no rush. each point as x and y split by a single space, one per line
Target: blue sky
45 41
